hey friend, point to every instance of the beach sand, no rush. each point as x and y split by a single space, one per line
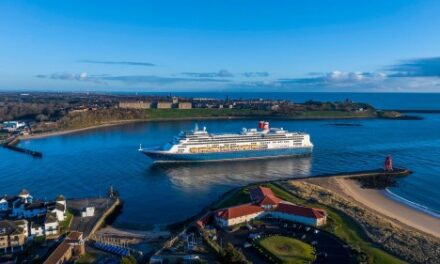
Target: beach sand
398 212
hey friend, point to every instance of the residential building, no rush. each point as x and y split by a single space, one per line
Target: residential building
185 105
71 246
135 104
36 229
12 237
51 225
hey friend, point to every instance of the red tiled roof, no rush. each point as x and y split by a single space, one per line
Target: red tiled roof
289 208
58 253
270 200
258 194
238 211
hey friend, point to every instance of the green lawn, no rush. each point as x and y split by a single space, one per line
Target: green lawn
64 225
339 224
288 250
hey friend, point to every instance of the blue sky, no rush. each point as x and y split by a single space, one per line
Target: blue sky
359 46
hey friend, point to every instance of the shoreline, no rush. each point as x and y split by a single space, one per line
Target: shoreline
131 121
394 210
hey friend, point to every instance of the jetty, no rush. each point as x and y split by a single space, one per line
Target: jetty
11 143
89 223
396 172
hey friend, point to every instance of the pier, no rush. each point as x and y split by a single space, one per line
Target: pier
11 143
103 208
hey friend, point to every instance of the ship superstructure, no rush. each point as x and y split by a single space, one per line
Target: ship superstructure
264 142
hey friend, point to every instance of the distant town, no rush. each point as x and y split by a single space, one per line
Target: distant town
32 113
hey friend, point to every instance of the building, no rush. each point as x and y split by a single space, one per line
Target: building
184 105
72 246
164 105
36 229
300 214
51 225
12 126
135 104
237 214
264 197
36 218
266 204
12 237
88 211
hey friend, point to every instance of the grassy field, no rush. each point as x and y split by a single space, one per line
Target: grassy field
288 250
339 224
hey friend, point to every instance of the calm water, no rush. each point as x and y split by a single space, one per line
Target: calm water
86 163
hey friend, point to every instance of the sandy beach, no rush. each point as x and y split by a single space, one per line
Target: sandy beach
70 131
398 212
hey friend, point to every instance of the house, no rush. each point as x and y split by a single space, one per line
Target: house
51 225
28 210
11 236
59 209
71 246
36 229
237 214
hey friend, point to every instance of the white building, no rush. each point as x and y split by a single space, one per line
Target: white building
88 211
36 230
300 214
24 225
12 126
51 225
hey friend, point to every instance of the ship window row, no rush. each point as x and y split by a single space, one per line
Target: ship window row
237 141
245 139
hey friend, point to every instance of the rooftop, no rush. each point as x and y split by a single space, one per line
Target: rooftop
238 211
290 208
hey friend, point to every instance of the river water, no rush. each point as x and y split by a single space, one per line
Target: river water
86 163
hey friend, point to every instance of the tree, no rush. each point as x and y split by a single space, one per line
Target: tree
231 255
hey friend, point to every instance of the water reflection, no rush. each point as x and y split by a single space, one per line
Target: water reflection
204 175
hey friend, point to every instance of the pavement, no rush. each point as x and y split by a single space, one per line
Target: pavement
86 224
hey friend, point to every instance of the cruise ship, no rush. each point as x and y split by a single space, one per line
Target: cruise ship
258 143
